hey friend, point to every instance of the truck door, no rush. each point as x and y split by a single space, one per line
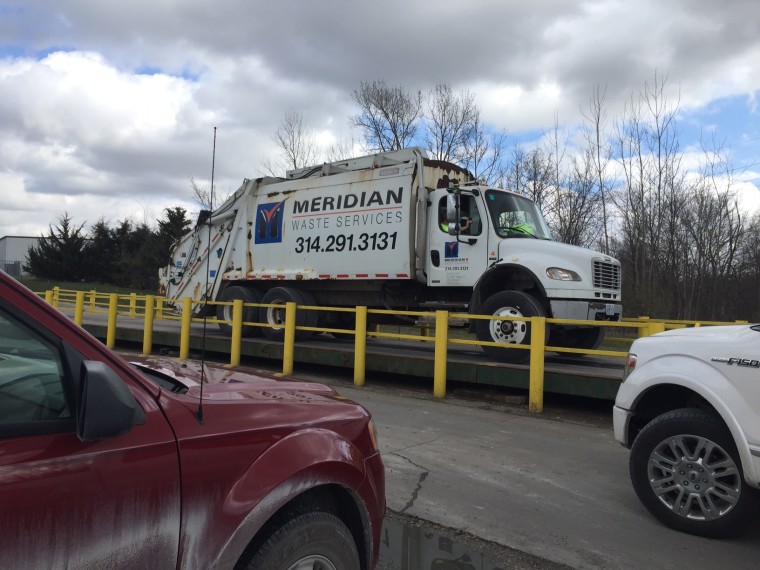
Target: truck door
456 260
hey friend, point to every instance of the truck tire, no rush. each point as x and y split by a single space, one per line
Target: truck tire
588 338
345 321
508 304
275 316
224 312
686 471
310 540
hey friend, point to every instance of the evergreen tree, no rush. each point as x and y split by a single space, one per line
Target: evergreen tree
170 231
59 254
101 254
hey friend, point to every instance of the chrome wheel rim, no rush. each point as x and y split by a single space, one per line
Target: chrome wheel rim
276 315
694 477
313 562
507 331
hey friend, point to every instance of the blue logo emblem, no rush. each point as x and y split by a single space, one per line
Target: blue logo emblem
451 250
269 222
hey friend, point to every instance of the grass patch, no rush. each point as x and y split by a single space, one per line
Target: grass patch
41 285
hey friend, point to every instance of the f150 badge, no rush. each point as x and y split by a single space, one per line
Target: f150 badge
738 361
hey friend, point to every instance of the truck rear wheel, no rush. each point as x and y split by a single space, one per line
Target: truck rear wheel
224 312
589 338
507 304
275 316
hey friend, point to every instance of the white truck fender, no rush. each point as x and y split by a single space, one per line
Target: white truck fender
699 377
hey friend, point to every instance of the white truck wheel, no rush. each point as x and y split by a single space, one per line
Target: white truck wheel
224 312
275 316
507 304
686 471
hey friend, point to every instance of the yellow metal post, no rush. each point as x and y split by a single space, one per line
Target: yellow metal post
441 350
360 346
290 338
537 346
93 297
113 309
148 325
56 296
237 332
49 296
656 327
643 331
133 304
160 308
79 308
184 335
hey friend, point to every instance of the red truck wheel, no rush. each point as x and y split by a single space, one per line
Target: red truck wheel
316 539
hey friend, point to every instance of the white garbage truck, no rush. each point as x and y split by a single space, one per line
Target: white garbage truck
398 231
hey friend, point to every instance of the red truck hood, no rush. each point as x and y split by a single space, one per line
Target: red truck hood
232 384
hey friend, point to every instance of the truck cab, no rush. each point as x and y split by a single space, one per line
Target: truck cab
499 245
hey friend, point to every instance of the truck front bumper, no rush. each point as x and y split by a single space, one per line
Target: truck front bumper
621 418
586 310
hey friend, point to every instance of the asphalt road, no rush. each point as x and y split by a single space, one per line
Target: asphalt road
554 486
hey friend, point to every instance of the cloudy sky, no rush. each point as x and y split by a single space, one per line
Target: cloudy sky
107 109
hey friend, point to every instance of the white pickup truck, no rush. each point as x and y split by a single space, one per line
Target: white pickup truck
689 410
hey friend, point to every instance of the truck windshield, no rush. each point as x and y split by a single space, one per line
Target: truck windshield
516 216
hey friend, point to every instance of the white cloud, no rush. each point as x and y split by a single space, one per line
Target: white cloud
82 128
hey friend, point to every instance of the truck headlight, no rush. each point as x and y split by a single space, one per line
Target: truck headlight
630 365
562 274
373 434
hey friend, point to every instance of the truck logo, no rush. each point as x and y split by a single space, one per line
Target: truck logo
737 361
451 250
269 219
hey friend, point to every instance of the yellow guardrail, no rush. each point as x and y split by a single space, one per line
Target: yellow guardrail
152 308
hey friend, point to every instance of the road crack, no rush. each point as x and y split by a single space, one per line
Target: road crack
420 481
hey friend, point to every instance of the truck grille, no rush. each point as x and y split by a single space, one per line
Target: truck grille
606 275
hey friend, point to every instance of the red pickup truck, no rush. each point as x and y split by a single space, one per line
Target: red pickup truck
108 464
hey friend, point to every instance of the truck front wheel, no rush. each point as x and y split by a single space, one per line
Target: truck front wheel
686 471
505 304
312 540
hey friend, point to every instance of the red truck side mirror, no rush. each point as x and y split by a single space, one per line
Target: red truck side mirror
106 406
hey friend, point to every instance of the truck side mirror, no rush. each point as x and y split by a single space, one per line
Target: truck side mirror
452 207
106 406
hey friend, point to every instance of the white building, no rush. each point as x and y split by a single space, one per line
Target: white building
13 252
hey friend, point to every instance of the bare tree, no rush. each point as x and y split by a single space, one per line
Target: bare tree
530 173
484 152
563 186
341 148
388 116
600 153
203 196
296 143
652 197
450 122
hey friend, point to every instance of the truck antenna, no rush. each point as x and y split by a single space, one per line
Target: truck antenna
199 413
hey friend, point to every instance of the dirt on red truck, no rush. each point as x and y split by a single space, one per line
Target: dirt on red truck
106 463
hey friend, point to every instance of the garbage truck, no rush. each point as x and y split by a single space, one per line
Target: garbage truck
398 231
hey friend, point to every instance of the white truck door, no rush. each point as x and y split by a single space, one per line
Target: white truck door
456 261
